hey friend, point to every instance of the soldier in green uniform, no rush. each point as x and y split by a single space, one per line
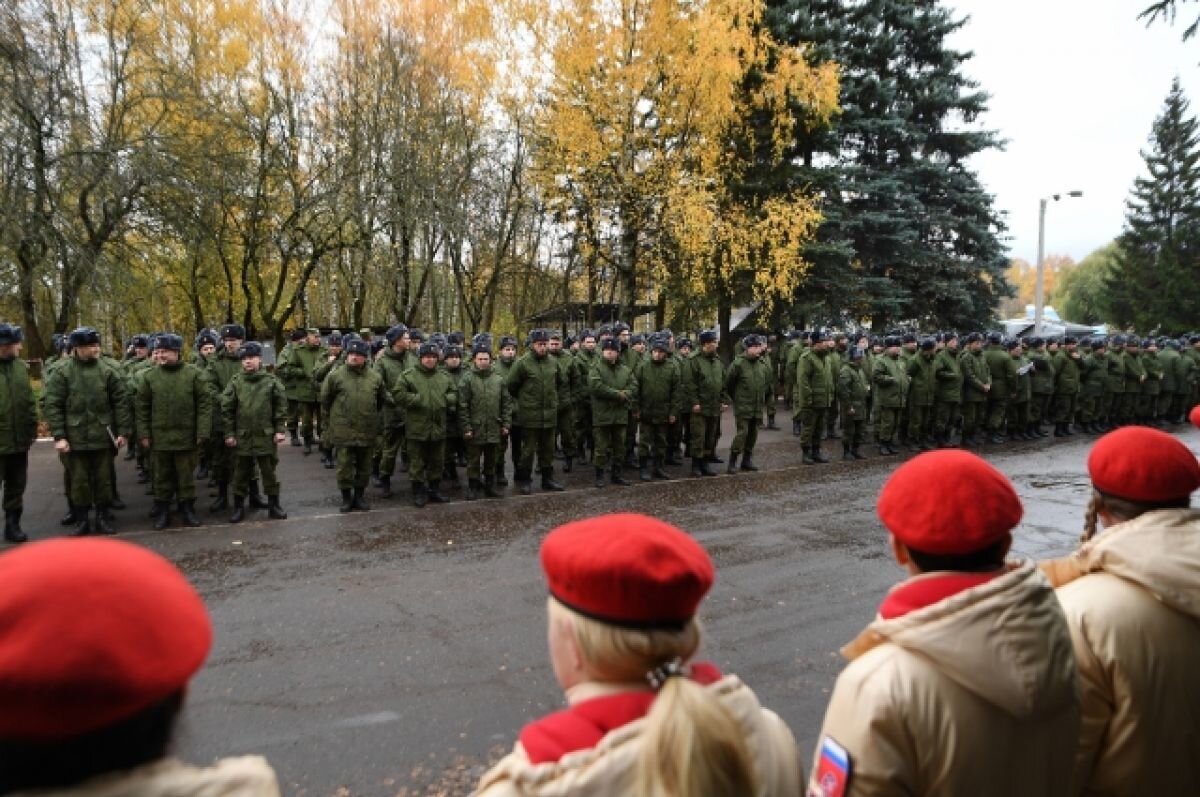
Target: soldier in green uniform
1004 384
485 412
747 383
585 360
295 367
569 377
18 429
174 406
614 391
658 402
504 364
890 384
1185 373
1192 352
852 390
137 356
391 365
947 391
1093 375
702 384
1017 414
680 433
334 357
797 350
813 394
922 386
1043 379
88 414
222 367
1067 362
1168 358
1135 376
426 392
289 380
456 448
253 419
352 400
535 382
1152 387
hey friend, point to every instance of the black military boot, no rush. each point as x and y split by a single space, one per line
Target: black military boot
807 459
644 469
489 488
854 452
548 482
274 510
255 499
83 526
846 452
673 457
818 456
1058 431
308 444
1067 431
616 477
239 509
472 489
71 518
12 527
524 486
697 470
117 503
886 450
327 458
360 500
748 462
658 472
102 523
705 470
222 500
162 514
713 459
732 466
347 501
450 473
501 478
385 486
600 480
795 428
435 495
187 509
420 497
375 475
202 471
771 425
568 462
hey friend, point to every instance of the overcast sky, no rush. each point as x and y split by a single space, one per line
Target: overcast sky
1075 87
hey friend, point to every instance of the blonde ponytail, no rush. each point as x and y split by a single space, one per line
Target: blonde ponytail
692 747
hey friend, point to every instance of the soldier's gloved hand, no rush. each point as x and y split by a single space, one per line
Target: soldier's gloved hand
231 442
62 446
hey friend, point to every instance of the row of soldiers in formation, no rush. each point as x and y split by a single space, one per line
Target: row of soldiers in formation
606 396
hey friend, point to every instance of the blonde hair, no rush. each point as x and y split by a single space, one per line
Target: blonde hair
691 746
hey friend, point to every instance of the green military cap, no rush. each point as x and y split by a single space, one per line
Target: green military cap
313 331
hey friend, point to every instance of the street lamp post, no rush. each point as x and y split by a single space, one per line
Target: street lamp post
1039 286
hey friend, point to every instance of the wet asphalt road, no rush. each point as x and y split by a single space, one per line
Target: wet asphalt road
398 651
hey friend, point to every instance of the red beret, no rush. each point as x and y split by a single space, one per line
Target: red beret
627 570
92 631
948 503
1194 416
1143 465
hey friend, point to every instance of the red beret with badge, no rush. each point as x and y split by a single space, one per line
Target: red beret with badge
92 631
949 503
628 570
1143 465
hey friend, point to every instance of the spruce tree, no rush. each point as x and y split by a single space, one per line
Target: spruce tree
910 234
1156 282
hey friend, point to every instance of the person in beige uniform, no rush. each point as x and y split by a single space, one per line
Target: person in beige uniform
1132 600
100 640
965 683
641 716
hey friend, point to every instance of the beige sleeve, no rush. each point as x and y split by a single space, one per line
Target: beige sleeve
1095 697
498 781
864 720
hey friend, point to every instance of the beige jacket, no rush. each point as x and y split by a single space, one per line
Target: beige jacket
974 695
608 768
247 776
1132 599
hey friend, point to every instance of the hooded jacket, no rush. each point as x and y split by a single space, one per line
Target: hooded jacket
1132 600
608 767
975 694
